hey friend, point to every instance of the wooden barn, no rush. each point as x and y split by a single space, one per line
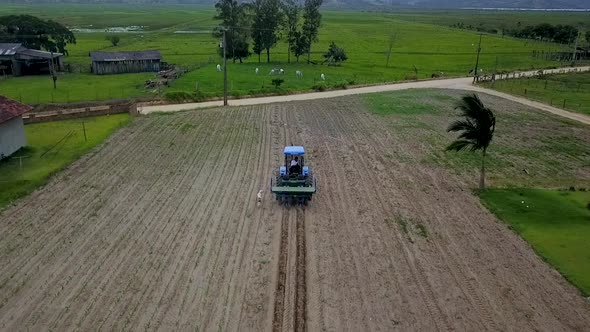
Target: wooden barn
17 60
105 63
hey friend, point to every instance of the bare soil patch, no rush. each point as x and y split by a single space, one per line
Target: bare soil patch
160 230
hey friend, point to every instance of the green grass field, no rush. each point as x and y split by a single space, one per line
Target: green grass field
52 146
364 35
553 150
568 91
555 223
490 19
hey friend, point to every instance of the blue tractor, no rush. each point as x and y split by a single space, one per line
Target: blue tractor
293 182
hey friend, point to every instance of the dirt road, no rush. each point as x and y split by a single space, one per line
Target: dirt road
453 83
160 230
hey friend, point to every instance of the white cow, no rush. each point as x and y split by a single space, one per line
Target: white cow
323 77
273 71
256 70
218 67
281 71
299 74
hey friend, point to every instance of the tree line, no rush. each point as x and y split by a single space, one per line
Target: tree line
564 34
263 23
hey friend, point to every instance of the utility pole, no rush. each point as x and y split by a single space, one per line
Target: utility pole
477 59
224 69
575 49
52 72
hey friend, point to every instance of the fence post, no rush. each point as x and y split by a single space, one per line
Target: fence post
84 129
564 103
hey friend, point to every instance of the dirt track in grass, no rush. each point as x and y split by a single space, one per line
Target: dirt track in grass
160 230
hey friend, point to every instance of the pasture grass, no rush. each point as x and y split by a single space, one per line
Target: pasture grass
75 87
492 19
567 91
420 50
46 155
530 148
556 224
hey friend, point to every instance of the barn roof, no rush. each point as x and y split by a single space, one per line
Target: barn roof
39 54
10 109
9 48
125 56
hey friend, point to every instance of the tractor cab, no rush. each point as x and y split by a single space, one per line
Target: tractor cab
294 166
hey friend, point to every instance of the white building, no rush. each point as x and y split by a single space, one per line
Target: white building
12 129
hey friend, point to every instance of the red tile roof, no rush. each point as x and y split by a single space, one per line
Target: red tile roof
10 109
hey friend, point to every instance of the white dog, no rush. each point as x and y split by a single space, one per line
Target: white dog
259 197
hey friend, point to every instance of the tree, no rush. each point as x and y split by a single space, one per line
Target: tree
235 20
477 129
588 36
311 23
35 33
114 39
544 31
565 34
335 54
267 18
299 44
291 9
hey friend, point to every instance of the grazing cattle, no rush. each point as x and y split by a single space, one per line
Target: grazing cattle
273 71
323 77
256 70
299 74
281 71
218 67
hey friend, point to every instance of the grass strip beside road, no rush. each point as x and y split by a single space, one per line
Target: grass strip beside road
566 91
556 224
51 146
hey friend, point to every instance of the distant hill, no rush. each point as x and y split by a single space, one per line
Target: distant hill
368 4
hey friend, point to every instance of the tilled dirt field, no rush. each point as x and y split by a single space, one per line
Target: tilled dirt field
160 230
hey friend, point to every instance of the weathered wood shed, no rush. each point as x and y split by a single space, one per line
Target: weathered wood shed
105 63
18 60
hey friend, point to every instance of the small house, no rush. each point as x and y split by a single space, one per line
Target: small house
105 63
12 129
17 60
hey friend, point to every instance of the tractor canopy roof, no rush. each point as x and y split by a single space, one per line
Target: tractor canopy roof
294 151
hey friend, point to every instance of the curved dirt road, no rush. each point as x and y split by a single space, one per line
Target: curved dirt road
463 83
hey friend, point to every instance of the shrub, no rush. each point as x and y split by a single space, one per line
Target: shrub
183 96
341 85
335 54
277 82
320 86
114 39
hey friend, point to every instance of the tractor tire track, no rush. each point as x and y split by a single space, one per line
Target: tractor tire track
280 289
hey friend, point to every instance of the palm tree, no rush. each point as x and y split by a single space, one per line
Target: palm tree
477 129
